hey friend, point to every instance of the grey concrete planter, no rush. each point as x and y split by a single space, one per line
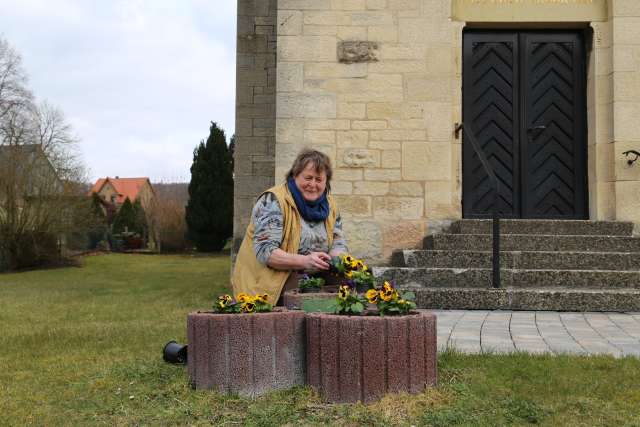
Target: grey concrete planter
248 354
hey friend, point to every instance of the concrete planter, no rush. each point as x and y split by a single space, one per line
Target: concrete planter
352 358
248 354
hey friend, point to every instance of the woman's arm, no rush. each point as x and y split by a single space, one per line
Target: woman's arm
281 260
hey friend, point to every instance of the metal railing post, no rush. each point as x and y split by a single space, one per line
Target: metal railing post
495 212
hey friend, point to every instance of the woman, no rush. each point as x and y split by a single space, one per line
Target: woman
295 226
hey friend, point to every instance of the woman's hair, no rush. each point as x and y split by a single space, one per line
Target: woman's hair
320 162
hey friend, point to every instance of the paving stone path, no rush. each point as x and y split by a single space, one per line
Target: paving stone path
478 331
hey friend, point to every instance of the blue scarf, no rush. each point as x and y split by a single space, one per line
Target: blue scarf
315 211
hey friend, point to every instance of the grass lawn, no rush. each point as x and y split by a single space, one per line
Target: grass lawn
82 346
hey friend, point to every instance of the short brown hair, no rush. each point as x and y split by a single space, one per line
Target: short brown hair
320 162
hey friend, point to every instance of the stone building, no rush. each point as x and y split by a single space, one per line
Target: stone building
549 88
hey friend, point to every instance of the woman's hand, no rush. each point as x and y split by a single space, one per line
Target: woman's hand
317 261
281 260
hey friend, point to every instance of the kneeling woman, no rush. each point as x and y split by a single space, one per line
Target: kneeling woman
295 227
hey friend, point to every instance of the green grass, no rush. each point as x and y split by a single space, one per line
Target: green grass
82 346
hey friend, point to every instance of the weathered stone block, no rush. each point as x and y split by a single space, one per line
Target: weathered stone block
305 4
350 110
350 52
359 157
328 124
362 358
371 188
365 238
391 159
290 77
370 18
382 174
319 137
414 189
332 70
426 161
246 354
394 208
628 201
291 105
306 48
352 139
354 206
404 234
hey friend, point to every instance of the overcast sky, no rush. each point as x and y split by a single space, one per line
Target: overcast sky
139 80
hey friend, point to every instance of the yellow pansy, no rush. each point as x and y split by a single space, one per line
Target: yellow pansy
248 307
372 296
242 298
262 297
348 274
344 291
224 300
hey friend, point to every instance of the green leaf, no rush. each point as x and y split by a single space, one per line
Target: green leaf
357 307
409 296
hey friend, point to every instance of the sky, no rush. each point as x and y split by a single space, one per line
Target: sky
138 80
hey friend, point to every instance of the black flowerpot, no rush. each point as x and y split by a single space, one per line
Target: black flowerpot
174 352
310 290
362 289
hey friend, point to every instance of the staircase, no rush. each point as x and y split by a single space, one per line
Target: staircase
545 265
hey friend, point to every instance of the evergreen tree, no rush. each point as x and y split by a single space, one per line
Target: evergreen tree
126 218
209 212
140 223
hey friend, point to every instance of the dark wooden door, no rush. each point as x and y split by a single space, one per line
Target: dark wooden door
524 100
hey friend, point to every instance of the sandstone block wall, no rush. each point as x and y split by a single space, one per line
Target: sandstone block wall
376 84
625 95
385 119
255 108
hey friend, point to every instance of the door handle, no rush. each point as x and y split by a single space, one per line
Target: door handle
536 128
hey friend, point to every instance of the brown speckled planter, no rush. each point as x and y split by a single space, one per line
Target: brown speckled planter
248 354
295 300
352 358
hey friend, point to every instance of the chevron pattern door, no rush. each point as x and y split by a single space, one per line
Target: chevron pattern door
524 99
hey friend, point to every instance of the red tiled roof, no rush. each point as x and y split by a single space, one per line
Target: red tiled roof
126 187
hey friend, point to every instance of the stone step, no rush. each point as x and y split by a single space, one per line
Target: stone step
628 261
556 299
541 226
481 278
530 242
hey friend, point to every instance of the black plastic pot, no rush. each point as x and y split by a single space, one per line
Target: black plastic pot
174 353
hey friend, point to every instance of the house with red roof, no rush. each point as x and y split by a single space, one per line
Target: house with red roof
116 190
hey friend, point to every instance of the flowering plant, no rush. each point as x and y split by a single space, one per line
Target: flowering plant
243 303
391 301
348 301
353 269
307 282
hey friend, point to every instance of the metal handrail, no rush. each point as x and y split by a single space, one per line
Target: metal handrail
496 216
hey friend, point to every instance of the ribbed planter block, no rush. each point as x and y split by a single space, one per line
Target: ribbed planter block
361 358
248 354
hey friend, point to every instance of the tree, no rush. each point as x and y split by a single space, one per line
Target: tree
125 219
41 192
209 212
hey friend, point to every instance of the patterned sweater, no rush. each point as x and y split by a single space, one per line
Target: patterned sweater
267 220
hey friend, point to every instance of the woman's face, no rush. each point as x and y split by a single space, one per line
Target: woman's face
311 183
